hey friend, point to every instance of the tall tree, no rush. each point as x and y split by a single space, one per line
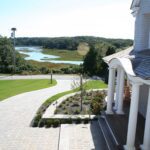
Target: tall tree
89 64
110 50
6 57
6 53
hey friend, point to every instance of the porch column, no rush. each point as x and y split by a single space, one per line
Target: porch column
121 93
146 139
111 84
133 117
117 87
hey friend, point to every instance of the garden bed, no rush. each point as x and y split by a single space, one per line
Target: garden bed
92 103
90 85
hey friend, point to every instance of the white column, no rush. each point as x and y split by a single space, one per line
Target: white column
133 117
111 84
117 88
146 140
121 93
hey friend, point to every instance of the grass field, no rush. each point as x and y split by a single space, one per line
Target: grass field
47 64
95 84
64 54
10 88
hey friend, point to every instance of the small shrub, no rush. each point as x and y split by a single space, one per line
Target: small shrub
67 104
63 121
41 123
69 121
36 120
66 112
75 104
66 121
35 124
56 123
48 123
56 111
76 112
78 120
60 106
64 107
38 117
86 102
86 121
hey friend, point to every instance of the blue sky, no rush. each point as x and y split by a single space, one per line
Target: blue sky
54 18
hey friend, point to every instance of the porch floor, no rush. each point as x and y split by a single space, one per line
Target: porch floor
119 126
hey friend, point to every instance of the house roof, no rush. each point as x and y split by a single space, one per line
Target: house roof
140 61
123 53
141 64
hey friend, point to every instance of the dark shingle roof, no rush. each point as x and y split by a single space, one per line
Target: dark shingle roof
141 64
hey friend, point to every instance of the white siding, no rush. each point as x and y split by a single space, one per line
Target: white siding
149 39
143 97
145 6
142 27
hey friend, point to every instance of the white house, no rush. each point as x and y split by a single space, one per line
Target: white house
135 65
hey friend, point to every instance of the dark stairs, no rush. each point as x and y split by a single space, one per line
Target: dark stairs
110 138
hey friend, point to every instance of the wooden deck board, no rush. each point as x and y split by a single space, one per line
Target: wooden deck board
119 126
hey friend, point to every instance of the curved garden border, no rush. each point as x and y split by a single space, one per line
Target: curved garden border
48 118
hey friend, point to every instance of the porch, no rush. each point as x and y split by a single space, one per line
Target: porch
117 126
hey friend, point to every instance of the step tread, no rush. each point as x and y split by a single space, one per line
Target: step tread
108 137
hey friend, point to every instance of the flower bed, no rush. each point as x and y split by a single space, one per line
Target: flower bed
92 103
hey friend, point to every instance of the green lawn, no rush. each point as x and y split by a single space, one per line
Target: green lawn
10 88
71 55
95 84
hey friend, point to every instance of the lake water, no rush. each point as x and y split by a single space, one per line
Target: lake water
35 53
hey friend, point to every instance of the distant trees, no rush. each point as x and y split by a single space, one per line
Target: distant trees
6 58
6 53
71 43
93 62
110 50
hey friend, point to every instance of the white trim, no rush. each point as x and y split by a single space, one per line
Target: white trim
111 86
121 93
146 139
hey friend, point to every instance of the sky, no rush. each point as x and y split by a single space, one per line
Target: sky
55 18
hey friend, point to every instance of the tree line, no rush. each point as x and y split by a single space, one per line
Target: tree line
70 43
93 62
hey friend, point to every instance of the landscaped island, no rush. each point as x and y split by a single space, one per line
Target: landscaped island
93 102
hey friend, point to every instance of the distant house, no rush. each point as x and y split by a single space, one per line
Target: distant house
133 65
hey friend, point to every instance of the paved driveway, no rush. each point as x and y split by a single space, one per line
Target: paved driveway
16 114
